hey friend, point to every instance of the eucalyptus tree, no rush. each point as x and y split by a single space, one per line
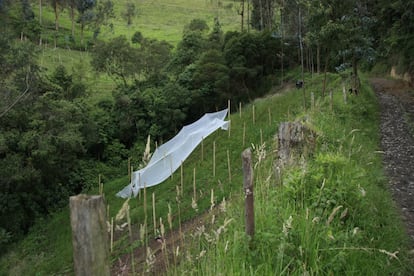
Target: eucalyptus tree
263 14
57 6
129 12
85 13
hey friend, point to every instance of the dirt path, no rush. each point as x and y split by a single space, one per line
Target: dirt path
396 100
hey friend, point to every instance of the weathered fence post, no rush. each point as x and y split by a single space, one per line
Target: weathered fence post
89 235
248 191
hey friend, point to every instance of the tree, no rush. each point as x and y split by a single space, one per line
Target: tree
86 14
103 14
129 12
72 7
23 21
263 14
57 6
118 59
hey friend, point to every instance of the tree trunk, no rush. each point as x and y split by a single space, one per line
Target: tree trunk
72 18
301 58
56 10
318 58
242 16
355 73
248 16
325 72
282 38
261 14
40 22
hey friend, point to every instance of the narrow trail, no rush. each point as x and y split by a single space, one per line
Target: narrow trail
396 101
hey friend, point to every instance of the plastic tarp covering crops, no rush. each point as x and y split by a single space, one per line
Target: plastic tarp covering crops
169 157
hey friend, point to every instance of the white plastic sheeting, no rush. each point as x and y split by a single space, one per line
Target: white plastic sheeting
169 157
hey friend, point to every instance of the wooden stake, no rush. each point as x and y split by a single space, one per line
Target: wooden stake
248 191
228 165
89 235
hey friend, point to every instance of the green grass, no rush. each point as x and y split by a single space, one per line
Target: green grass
158 19
297 231
162 20
292 233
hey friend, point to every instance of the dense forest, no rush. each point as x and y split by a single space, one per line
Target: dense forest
54 140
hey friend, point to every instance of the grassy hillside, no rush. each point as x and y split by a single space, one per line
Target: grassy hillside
297 228
162 20
158 19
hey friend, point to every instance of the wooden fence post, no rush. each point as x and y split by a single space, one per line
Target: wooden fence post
248 191
89 235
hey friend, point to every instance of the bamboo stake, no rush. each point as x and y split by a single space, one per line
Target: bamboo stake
100 185
312 101
145 213
129 168
112 234
194 185
228 116
202 149
212 202
228 165
261 137
254 115
270 116
182 177
107 212
171 169
244 133
214 158
344 92
131 239
153 214
331 99
240 109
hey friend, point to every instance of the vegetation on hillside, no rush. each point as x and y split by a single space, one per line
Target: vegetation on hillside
57 133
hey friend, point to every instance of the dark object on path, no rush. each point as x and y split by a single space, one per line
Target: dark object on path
299 84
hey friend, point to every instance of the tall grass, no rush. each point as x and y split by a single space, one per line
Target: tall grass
331 216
